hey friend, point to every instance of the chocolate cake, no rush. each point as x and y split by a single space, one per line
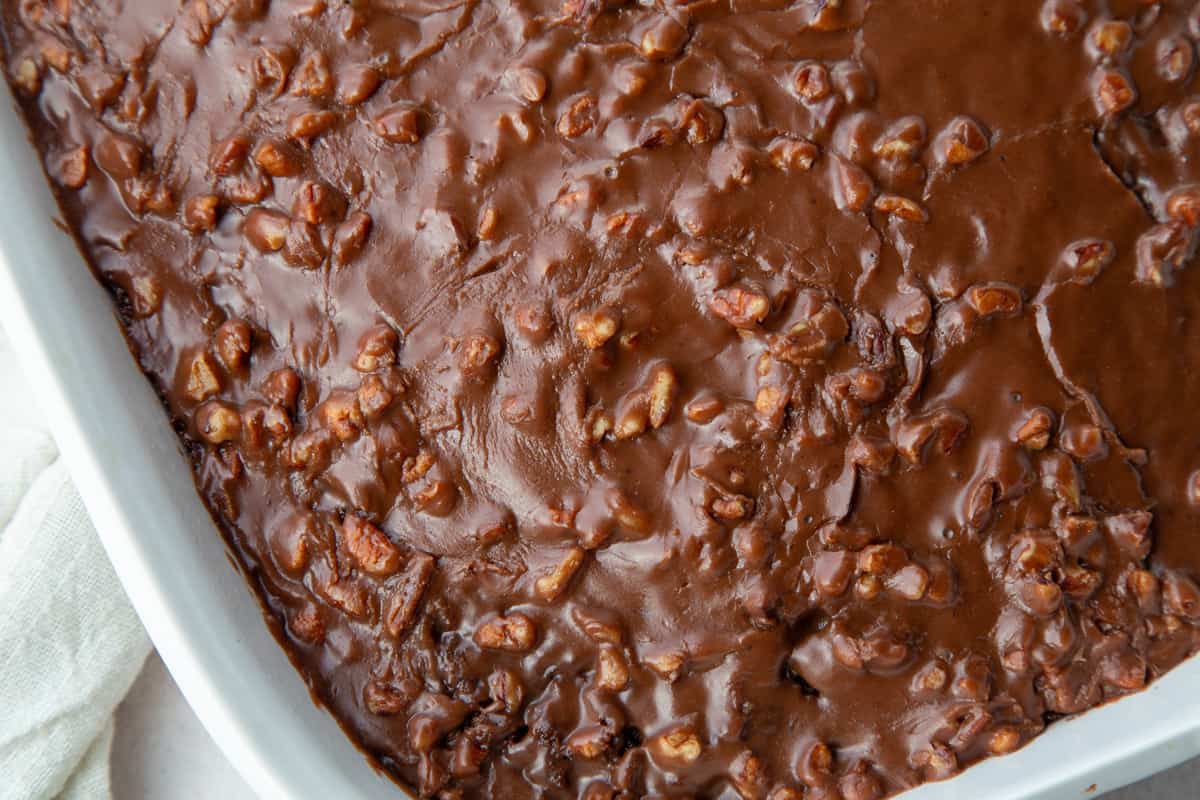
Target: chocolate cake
718 399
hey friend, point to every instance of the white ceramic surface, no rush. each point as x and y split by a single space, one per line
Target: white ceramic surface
160 751
137 486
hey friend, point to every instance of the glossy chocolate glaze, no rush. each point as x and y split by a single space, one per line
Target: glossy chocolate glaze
753 399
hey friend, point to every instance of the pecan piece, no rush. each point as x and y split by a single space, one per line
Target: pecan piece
515 633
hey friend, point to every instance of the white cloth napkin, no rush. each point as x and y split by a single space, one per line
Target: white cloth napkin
70 644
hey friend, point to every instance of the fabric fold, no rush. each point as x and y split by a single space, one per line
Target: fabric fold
70 643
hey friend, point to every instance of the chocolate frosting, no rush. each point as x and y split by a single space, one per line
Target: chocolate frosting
726 398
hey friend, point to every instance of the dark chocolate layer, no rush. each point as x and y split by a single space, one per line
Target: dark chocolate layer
699 399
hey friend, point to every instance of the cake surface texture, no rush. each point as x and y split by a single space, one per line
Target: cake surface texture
718 399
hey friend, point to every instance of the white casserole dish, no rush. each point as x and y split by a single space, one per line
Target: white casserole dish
205 622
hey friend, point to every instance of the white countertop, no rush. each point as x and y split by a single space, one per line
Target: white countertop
161 752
